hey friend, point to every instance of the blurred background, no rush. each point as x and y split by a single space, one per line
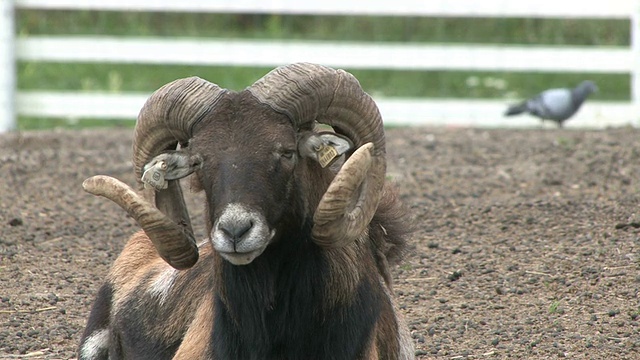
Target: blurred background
449 63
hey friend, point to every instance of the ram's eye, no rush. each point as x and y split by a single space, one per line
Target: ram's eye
288 154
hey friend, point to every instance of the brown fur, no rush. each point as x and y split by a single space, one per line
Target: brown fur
196 340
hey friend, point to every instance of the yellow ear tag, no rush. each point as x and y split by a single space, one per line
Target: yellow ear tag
326 154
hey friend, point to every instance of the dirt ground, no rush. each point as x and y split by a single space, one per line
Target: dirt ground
528 243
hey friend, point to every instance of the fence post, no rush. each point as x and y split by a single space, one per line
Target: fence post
7 66
635 58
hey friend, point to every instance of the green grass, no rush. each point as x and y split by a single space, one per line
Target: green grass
553 308
344 28
127 77
146 78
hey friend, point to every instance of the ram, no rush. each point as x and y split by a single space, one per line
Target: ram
302 227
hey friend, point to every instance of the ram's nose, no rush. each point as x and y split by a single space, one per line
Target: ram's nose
235 230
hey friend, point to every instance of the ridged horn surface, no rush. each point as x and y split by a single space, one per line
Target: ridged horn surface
169 115
180 254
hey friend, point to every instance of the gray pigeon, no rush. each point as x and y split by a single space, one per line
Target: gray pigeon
555 104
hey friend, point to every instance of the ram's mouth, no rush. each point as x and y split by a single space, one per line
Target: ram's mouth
239 254
241 258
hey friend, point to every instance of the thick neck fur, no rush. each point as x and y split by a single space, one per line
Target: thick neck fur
275 307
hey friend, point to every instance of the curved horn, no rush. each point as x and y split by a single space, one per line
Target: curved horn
166 119
179 254
169 116
307 93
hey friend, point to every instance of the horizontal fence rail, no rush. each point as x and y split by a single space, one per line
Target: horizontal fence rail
396 111
350 55
342 54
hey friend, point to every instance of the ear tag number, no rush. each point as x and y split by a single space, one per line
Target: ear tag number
326 155
154 176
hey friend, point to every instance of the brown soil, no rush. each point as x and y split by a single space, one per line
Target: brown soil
528 243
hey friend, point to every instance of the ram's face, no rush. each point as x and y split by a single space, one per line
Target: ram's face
245 148
247 174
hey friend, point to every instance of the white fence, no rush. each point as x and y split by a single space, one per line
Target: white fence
233 52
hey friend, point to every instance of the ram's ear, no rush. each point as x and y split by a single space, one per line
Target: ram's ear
324 147
171 165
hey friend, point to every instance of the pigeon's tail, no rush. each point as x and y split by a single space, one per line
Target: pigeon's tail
516 109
